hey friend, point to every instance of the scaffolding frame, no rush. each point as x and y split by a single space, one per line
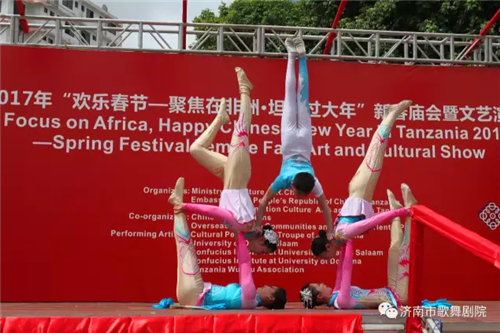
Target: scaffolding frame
370 46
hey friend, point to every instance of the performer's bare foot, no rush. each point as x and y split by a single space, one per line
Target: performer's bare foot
393 202
245 84
290 46
178 194
300 46
397 109
408 198
222 114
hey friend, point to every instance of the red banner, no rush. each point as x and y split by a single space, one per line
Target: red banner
93 142
210 323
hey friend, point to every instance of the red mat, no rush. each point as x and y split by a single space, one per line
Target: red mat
223 323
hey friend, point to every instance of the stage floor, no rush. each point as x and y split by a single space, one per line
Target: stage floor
371 318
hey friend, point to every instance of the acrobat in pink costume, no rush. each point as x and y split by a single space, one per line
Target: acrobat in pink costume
345 296
356 216
236 209
191 289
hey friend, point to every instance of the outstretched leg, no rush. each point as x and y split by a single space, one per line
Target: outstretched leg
238 168
304 111
396 241
365 180
350 230
289 118
200 149
189 280
404 253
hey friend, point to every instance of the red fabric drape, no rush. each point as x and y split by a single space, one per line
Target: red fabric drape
220 323
472 242
467 239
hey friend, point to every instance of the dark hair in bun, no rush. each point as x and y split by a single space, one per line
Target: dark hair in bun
273 247
319 243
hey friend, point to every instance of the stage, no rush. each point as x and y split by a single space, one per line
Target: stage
141 317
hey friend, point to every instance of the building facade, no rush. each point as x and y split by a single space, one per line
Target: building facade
72 33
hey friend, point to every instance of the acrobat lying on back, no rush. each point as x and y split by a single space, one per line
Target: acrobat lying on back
193 291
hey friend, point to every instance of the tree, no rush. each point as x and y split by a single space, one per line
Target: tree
466 17
456 16
247 12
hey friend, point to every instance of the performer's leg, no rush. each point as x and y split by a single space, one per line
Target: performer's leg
189 279
304 112
372 298
351 230
396 241
212 161
238 169
365 180
404 254
289 118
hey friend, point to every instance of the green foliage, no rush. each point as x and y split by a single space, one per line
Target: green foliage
458 16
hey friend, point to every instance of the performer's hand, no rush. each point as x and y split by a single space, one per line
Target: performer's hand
341 238
178 208
257 229
330 236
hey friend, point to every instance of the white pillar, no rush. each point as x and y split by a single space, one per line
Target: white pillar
7 7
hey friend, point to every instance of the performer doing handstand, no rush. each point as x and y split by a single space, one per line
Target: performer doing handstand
296 172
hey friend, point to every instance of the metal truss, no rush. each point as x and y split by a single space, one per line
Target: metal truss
256 41
431 325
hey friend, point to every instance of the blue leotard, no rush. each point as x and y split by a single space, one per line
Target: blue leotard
360 295
289 168
229 296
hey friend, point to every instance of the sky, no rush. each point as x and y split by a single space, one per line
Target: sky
157 10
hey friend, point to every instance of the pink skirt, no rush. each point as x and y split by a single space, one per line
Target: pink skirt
356 207
239 203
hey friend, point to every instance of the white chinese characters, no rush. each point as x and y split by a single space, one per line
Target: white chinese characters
104 101
445 113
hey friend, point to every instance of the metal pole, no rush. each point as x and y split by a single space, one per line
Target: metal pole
21 10
331 35
184 21
483 32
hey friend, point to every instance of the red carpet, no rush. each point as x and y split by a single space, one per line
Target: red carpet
218 323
